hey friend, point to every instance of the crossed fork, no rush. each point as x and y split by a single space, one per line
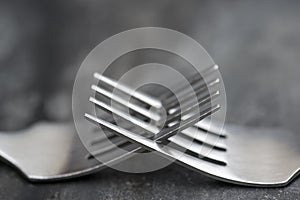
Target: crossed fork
174 129
173 135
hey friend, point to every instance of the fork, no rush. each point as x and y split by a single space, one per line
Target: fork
49 151
52 151
256 156
175 123
252 157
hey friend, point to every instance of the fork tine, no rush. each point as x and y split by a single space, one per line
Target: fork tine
172 101
101 145
167 152
194 79
152 115
205 137
172 117
168 132
140 109
134 120
146 126
211 127
131 136
194 118
190 108
148 99
202 150
149 127
137 95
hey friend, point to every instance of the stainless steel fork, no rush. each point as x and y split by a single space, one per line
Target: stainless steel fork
252 157
239 155
255 156
176 121
49 151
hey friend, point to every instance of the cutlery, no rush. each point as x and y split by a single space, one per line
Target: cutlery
49 151
177 120
252 157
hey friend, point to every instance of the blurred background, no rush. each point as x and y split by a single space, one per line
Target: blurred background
255 43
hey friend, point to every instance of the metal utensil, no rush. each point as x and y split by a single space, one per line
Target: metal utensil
257 156
180 119
52 151
243 156
249 157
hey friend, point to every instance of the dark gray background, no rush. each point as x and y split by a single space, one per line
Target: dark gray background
42 43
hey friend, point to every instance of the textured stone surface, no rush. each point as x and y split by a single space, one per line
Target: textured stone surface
42 44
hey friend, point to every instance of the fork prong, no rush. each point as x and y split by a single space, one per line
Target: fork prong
194 79
150 114
205 137
211 127
191 120
137 108
146 98
190 108
146 126
153 129
167 152
131 136
145 142
202 150
149 127
137 95
203 88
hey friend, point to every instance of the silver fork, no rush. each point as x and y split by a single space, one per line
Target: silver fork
179 124
251 157
244 156
52 151
256 157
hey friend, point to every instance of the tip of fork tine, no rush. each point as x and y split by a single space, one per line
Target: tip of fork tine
93 87
96 75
